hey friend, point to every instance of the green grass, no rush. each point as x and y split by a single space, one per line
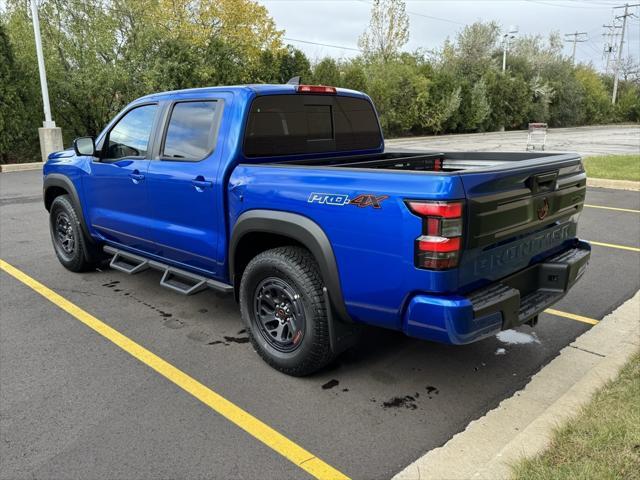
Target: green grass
616 167
602 442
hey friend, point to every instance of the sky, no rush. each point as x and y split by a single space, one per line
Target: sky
340 22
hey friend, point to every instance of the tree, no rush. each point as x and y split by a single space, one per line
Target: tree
477 108
395 89
509 97
437 108
102 54
543 95
474 49
17 106
533 53
627 107
630 70
326 72
596 104
245 24
293 63
354 76
566 108
388 30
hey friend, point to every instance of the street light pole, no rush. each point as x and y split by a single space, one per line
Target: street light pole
48 122
506 38
504 53
50 135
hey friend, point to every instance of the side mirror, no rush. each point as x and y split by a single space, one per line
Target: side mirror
85 146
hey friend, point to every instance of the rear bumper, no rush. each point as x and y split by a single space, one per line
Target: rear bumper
508 303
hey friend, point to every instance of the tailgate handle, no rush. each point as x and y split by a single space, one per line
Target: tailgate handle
543 182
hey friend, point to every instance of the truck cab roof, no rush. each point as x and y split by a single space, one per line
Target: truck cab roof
249 90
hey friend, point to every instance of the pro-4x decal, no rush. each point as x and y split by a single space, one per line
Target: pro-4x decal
336 199
329 198
368 200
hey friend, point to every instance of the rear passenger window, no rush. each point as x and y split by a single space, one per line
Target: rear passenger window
191 131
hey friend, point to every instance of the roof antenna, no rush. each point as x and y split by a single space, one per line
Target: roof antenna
294 81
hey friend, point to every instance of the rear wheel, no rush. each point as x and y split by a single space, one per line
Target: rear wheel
73 249
282 304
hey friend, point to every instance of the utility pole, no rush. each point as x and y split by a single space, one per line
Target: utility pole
609 46
50 135
616 70
578 37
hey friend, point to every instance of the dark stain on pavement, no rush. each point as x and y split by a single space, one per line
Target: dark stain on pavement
330 384
431 390
401 402
237 339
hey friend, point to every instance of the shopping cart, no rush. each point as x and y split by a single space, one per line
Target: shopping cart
537 136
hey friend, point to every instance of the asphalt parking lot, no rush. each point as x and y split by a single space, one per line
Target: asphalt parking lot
74 405
593 140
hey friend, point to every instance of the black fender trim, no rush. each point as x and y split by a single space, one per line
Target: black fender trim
301 229
62 181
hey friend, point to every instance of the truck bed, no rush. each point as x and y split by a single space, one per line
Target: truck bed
435 161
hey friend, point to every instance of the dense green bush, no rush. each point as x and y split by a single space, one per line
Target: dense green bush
101 54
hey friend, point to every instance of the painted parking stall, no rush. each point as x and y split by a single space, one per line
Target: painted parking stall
390 394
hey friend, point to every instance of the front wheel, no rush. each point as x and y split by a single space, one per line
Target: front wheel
282 305
72 247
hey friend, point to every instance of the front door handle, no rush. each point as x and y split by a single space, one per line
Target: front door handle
200 183
136 176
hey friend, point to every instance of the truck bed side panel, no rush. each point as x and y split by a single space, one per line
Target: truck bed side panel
374 247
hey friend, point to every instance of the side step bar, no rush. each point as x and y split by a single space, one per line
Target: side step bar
173 278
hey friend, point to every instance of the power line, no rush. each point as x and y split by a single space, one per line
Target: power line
424 15
289 39
592 2
581 6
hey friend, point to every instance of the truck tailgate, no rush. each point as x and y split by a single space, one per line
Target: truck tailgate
518 215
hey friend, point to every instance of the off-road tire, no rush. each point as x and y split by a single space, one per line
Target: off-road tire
297 267
83 255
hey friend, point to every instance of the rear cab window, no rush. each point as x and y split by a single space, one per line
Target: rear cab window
281 125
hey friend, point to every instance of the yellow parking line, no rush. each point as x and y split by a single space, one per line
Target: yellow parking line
241 418
572 316
613 245
630 210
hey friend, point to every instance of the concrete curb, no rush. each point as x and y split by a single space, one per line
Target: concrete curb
523 424
617 184
20 167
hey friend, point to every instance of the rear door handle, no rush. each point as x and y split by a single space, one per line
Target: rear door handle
136 176
200 183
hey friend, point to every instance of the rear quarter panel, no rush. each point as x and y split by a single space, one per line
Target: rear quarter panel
374 247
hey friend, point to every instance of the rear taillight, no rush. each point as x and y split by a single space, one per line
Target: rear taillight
438 248
315 89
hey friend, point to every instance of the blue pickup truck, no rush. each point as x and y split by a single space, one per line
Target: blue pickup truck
285 196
